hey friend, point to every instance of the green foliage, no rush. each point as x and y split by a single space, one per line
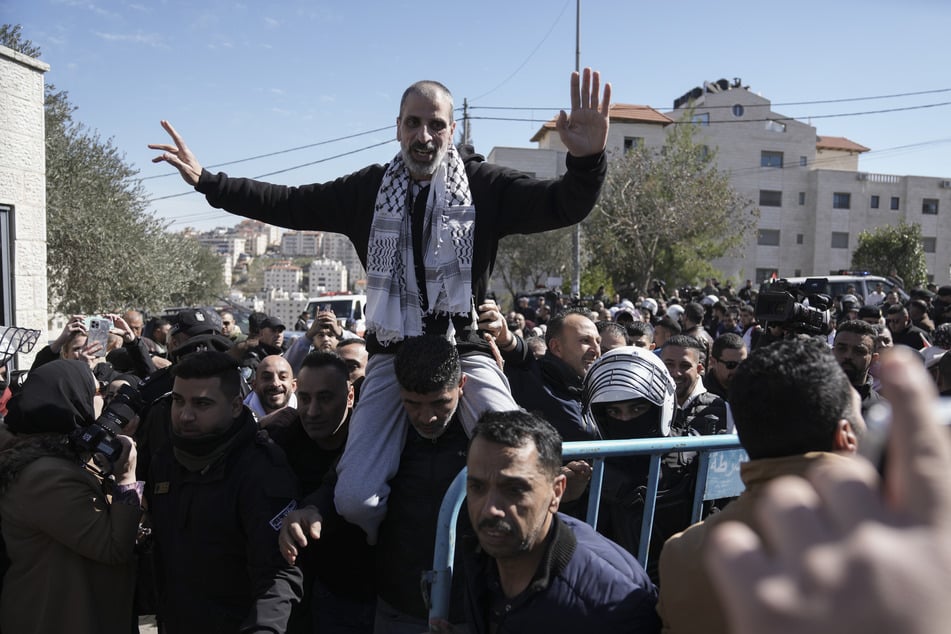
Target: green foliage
665 213
105 250
525 262
893 248
593 277
11 36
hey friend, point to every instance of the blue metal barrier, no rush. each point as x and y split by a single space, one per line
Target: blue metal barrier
439 579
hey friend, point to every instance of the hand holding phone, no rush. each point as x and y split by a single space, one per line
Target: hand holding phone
97 330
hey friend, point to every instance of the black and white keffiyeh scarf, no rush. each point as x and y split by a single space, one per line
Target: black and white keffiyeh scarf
394 305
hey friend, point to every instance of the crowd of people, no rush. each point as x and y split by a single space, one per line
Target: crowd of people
229 481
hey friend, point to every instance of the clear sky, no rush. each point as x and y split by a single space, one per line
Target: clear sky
243 79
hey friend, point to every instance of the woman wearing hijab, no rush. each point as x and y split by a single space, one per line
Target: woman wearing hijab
69 533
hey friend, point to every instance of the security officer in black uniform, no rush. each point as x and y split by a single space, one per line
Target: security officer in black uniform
218 492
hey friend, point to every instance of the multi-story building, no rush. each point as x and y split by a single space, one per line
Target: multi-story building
252 228
225 243
327 276
285 306
283 275
813 199
301 243
256 244
227 272
338 247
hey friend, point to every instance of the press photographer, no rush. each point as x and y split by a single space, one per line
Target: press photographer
69 531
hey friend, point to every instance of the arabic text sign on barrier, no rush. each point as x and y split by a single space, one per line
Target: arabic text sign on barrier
723 474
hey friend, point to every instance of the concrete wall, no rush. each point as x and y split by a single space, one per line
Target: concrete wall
23 187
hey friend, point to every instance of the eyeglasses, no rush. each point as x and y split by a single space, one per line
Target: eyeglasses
729 365
226 323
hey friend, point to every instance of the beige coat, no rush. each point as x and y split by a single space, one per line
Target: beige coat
688 601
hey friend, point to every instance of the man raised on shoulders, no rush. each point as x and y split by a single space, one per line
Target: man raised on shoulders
426 227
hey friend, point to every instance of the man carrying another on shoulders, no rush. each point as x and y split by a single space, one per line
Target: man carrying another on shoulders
426 227
433 451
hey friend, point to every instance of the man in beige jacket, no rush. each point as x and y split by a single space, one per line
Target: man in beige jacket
794 408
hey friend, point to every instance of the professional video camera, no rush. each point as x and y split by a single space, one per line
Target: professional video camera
99 438
798 307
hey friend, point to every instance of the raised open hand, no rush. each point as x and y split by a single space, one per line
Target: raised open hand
585 131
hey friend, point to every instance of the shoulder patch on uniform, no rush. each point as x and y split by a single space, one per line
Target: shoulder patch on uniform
278 519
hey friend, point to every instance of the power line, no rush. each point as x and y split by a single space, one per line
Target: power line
279 152
772 104
875 154
289 169
556 109
800 118
534 120
530 55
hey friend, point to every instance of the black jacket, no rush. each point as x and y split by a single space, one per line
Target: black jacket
217 559
706 414
408 532
549 387
507 202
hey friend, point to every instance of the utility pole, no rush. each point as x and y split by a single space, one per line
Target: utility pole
576 238
466 138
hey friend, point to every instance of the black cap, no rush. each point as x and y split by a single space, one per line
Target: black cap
196 321
273 323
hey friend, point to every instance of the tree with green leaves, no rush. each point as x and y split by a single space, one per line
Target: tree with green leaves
525 262
105 250
893 250
665 213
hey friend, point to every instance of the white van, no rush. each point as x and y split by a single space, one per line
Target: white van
835 285
345 307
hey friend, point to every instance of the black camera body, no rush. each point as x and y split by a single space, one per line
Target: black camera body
99 437
785 303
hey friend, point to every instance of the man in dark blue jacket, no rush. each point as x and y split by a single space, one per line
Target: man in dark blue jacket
532 568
